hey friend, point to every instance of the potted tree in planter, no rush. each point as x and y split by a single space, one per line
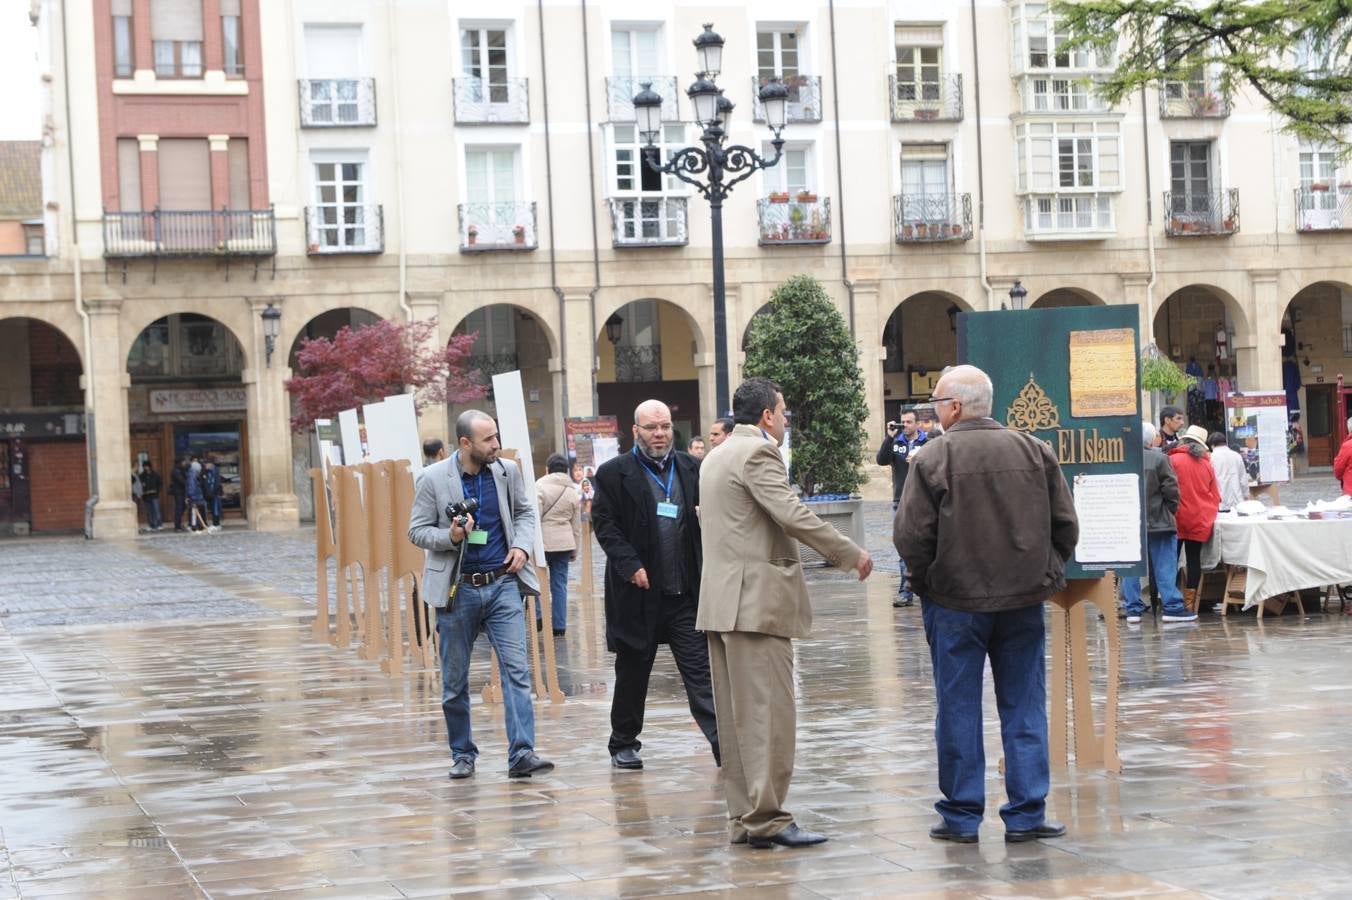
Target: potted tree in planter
803 343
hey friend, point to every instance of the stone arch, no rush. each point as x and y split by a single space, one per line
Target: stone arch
236 319
604 310
543 309
1062 297
1184 330
327 323
1314 347
63 319
746 331
918 341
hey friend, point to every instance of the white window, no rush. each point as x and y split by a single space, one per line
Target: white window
483 59
924 170
123 40
792 174
333 62
918 73
1068 156
777 54
1062 95
490 175
1040 41
340 203
1083 212
634 52
632 174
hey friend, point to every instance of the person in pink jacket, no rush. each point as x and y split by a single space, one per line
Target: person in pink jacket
1342 464
1199 501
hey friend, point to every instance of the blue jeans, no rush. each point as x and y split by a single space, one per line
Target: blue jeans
153 517
901 563
558 588
959 644
1163 549
496 609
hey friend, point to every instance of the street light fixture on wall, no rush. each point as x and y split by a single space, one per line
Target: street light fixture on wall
1017 294
722 167
613 326
272 320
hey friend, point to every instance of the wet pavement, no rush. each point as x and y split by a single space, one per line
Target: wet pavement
168 728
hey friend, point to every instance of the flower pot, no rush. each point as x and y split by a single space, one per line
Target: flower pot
922 229
907 232
473 238
1319 187
1230 223
779 198
807 197
927 113
520 236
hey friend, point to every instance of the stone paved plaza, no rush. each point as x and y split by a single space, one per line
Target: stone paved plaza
169 728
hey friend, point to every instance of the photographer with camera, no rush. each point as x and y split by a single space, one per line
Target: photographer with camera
472 514
904 438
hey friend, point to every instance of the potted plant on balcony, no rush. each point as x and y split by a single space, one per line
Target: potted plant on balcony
779 196
1204 104
796 218
926 112
955 229
472 234
1230 223
807 197
519 232
921 229
1319 186
803 343
907 232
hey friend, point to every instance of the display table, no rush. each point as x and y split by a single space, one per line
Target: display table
1284 555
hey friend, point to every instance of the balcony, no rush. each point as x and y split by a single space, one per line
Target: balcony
649 222
508 226
1044 94
1191 100
337 102
338 229
938 101
490 364
805 220
1208 213
805 98
479 102
1069 217
620 91
638 364
1324 206
931 218
225 232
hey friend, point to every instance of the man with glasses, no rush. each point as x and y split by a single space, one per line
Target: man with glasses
645 520
986 527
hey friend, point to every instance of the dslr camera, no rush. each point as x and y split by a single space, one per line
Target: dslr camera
458 512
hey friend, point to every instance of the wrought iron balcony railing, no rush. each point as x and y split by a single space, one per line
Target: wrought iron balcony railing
926 101
927 218
224 232
479 102
490 364
337 102
1324 206
804 220
1190 100
649 221
1061 217
638 364
620 91
805 98
344 228
497 226
1049 94
1201 213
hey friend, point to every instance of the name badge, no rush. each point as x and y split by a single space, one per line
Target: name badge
668 510
478 536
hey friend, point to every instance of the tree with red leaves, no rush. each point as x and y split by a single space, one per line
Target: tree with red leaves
372 362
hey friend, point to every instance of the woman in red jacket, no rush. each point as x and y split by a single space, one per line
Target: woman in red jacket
1342 465
1199 499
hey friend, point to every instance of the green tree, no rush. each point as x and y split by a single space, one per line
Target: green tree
803 343
1292 53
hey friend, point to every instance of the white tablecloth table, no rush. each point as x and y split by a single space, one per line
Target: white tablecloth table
1285 554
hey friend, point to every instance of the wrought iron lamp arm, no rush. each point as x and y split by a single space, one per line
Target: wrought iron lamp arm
690 162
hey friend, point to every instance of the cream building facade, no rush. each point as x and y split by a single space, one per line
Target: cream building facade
477 163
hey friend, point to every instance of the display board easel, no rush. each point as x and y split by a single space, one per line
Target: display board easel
1070 677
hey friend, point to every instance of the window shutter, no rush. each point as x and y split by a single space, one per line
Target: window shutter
920 35
176 20
230 7
129 175
924 151
333 51
185 175
121 7
238 150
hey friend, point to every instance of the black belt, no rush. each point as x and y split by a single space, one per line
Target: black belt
482 579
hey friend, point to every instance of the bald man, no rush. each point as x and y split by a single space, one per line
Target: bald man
644 516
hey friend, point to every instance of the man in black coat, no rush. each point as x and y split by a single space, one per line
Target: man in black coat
645 520
178 488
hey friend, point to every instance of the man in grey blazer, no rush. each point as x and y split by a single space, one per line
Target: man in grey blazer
474 578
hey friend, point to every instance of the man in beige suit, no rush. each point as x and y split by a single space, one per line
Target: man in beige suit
752 603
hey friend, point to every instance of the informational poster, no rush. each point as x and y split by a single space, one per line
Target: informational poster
514 434
350 430
1255 427
402 419
1069 378
592 440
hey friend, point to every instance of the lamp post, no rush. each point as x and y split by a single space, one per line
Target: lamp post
721 167
1017 294
613 326
272 320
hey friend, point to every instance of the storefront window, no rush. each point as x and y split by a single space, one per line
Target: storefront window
219 444
150 353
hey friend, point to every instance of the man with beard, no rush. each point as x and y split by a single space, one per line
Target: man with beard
645 520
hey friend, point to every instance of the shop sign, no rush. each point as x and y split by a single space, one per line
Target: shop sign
198 400
40 425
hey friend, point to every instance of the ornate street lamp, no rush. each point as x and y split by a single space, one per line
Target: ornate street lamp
1017 294
272 320
721 167
613 326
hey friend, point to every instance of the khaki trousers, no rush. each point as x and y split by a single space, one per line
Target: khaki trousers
753 700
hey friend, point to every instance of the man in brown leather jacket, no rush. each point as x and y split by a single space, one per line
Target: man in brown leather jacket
986 524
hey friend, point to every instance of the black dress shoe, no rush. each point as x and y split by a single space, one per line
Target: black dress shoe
627 758
463 768
528 765
1045 830
943 833
792 836
560 632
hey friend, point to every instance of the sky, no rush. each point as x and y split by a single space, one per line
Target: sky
20 115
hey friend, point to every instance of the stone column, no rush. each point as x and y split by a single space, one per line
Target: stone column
708 398
432 420
1259 353
115 513
868 322
1134 288
272 499
579 365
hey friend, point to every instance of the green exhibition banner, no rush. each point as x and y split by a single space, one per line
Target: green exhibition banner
1070 378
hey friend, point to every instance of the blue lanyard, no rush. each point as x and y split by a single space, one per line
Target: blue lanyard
671 473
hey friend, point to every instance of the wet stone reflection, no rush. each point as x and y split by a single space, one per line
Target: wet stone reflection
169 728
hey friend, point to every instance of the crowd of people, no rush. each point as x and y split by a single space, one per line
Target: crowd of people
702 555
195 486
